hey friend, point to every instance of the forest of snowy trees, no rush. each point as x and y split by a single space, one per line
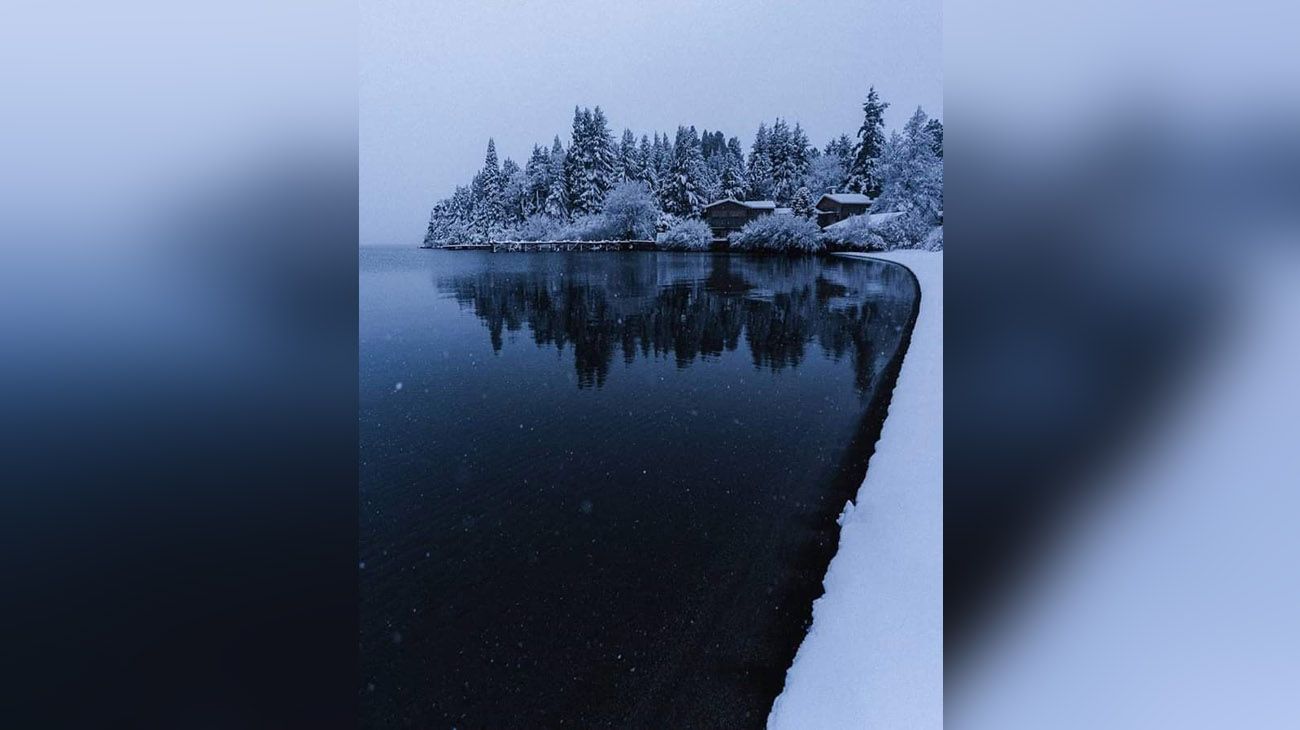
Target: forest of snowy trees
605 187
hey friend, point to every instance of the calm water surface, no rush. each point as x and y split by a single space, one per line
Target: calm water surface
600 489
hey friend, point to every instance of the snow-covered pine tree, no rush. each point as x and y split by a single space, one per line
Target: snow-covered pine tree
450 220
734 149
515 193
913 173
935 127
800 150
577 161
826 174
645 157
489 195
788 151
842 148
863 175
714 164
732 183
603 173
682 191
590 171
556 204
663 163
538 172
760 165
803 203
439 218
629 165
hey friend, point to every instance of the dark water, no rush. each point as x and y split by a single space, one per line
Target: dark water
600 489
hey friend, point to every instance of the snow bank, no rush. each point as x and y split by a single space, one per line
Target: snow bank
873 657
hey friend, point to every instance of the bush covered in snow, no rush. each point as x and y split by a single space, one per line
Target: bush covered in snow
786 233
535 228
666 221
884 232
631 211
594 227
855 234
686 235
934 240
904 231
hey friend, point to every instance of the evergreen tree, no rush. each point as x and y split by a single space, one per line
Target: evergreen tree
842 148
645 157
604 174
629 159
682 190
760 165
864 177
663 157
663 163
788 152
450 220
803 203
590 170
557 194
538 172
826 174
489 195
732 183
935 128
577 162
733 149
515 193
831 175
913 175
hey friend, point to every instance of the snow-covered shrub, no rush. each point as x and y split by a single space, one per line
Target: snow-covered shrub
666 221
789 233
686 235
631 211
904 231
537 228
594 227
933 241
855 233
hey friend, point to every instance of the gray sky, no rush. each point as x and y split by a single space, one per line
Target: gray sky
439 78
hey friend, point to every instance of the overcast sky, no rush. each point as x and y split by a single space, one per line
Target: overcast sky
439 78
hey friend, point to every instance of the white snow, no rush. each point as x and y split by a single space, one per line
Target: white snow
875 219
873 657
847 198
755 204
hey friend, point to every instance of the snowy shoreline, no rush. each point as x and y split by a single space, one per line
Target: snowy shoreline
873 656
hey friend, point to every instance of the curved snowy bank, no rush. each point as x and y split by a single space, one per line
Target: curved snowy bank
873 657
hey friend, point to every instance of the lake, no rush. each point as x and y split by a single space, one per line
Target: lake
600 489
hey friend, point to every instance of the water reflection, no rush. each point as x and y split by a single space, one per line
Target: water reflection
693 307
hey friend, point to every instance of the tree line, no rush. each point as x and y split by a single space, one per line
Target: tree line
599 186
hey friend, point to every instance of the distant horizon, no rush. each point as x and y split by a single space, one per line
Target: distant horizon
435 86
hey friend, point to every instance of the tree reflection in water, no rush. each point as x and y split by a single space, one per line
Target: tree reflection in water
694 307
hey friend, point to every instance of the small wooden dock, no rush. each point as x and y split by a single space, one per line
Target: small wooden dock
558 246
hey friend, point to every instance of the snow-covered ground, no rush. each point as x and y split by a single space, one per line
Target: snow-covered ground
873 657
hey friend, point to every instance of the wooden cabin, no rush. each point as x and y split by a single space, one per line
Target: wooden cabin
730 215
835 207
